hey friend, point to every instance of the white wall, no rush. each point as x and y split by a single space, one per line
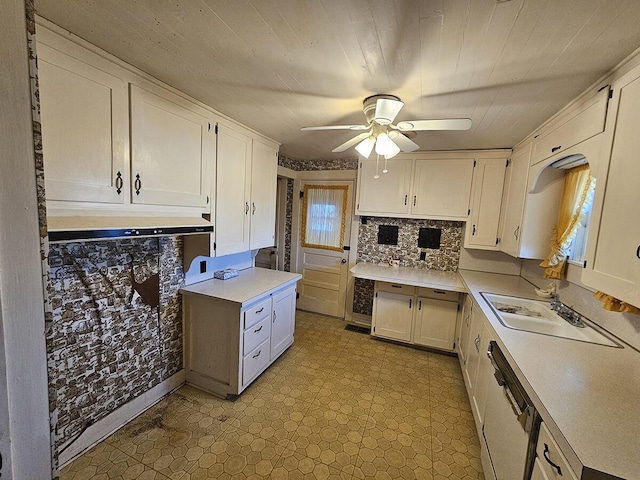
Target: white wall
21 295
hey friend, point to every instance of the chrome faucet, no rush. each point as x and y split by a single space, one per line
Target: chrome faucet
565 312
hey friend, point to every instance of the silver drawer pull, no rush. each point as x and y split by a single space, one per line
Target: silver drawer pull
256 331
274 316
260 311
257 354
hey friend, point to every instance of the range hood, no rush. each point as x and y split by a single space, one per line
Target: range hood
79 228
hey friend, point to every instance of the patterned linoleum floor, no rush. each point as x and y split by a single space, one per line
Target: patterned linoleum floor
337 404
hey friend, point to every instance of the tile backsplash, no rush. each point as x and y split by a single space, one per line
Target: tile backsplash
445 258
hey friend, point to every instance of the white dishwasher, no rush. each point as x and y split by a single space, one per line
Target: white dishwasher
511 422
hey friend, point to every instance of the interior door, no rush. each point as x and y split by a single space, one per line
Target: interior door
323 286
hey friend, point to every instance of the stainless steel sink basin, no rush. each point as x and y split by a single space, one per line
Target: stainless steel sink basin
536 316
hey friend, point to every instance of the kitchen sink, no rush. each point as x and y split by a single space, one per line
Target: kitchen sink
536 316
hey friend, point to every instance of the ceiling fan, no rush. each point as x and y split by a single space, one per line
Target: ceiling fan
381 133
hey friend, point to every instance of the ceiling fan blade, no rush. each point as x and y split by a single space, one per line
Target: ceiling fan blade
337 127
444 124
386 110
403 142
350 143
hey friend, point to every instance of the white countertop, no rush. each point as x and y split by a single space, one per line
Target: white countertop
409 276
587 394
243 289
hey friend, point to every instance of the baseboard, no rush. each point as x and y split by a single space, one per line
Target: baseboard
119 417
361 320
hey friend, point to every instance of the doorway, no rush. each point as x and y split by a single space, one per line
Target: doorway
325 230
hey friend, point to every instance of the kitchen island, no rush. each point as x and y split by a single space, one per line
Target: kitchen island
235 328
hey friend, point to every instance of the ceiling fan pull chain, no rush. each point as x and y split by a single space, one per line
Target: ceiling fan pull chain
377 163
385 165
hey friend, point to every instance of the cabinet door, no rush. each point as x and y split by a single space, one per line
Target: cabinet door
473 351
488 180
233 183
442 188
172 149
483 376
84 129
613 246
264 173
393 316
435 323
513 198
388 194
282 321
463 342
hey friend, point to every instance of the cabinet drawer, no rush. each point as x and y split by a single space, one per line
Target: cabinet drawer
256 313
395 288
254 362
548 452
256 334
439 294
584 122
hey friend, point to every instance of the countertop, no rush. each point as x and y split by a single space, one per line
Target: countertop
243 289
587 394
409 276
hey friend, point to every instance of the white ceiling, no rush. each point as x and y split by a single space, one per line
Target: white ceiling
279 65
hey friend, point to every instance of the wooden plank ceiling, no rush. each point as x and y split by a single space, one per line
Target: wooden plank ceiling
279 65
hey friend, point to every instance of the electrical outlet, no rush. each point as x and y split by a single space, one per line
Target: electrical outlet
203 266
423 255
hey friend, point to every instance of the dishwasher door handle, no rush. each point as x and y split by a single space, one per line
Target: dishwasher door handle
500 379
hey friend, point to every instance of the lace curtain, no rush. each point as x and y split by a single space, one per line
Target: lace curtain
323 216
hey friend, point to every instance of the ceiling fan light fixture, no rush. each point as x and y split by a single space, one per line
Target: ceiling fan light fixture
365 147
386 146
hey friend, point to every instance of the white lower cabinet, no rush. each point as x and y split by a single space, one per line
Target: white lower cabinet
226 345
415 315
551 464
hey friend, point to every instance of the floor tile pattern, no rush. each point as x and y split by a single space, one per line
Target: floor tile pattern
337 405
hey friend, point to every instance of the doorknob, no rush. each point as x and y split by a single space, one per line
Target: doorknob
344 260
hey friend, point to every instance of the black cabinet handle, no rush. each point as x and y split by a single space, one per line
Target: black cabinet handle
256 331
246 209
555 149
137 184
396 286
415 197
406 198
546 457
439 292
119 183
260 311
257 354
419 304
474 230
410 302
638 252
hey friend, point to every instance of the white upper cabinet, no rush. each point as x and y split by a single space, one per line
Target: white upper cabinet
486 198
613 245
172 147
264 174
513 197
434 185
441 188
233 179
247 171
388 194
85 127
577 123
